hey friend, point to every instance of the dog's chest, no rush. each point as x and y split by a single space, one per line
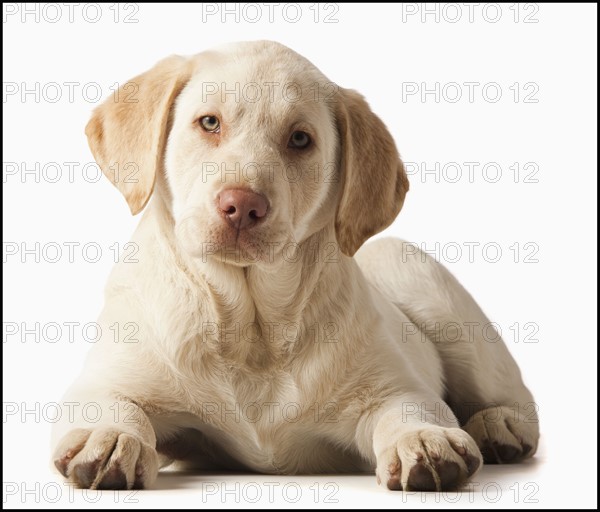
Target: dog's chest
271 421
260 419
262 401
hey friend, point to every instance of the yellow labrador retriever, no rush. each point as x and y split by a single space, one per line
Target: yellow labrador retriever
249 335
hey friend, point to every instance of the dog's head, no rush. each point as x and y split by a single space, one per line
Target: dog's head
254 148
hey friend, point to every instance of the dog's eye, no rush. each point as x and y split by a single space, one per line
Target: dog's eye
299 140
210 123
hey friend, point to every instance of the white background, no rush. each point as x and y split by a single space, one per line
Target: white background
380 51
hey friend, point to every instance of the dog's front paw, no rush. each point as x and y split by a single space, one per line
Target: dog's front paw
429 459
503 434
106 458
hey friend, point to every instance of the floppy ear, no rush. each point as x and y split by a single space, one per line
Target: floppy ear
374 182
127 133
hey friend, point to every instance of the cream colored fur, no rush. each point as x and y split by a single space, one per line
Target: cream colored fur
275 349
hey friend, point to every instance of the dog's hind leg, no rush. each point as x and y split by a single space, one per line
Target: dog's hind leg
483 383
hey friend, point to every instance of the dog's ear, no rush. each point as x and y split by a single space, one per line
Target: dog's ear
128 132
374 182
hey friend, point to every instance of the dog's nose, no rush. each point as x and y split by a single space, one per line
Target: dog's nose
242 208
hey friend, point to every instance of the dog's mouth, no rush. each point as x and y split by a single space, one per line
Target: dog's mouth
239 247
229 246
239 253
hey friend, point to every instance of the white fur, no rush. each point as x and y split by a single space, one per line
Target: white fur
362 387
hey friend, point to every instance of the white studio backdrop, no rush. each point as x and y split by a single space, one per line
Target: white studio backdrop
493 108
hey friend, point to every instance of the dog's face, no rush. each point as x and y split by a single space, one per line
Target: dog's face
251 155
260 151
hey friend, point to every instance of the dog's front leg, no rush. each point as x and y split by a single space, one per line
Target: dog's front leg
418 445
107 445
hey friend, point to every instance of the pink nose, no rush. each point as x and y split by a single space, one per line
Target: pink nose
242 208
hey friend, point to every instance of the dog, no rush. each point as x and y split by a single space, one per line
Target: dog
257 332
